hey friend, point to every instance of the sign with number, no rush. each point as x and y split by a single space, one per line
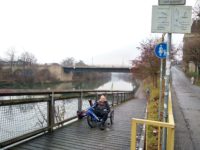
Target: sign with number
161 50
171 19
171 2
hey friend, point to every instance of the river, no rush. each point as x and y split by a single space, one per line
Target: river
17 120
118 81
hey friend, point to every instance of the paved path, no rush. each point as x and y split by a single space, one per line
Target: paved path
186 112
78 136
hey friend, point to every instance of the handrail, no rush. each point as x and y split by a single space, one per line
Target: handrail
170 125
42 92
49 104
152 122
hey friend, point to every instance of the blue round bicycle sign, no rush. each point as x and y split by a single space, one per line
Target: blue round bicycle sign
161 50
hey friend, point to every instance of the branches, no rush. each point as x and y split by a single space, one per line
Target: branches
147 64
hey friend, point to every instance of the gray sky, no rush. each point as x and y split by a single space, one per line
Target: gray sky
98 32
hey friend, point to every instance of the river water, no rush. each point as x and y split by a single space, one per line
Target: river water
17 120
118 81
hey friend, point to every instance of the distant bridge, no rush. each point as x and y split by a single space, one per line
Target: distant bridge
97 69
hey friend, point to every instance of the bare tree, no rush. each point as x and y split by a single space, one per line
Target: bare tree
191 51
148 65
11 58
196 12
68 62
28 62
28 59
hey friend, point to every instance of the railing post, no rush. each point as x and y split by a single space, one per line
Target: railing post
50 112
80 102
159 137
96 96
113 99
117 98
124 97
133 134
106 95
170 138
117 95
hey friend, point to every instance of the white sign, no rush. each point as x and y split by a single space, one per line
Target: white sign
171 2
171 19
181 19
160 19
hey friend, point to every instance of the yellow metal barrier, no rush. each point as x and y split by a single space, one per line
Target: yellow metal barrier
170 125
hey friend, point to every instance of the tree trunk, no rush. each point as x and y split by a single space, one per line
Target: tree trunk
197 70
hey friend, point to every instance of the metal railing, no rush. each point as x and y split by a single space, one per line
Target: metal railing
170 125
26 114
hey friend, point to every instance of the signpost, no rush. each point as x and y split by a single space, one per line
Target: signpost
169 18
171 2
161 52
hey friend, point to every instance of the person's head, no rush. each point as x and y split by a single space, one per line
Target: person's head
102 98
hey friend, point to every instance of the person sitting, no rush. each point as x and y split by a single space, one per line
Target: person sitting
101 109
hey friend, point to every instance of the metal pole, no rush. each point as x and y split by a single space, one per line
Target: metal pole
167 76
160 96
161 77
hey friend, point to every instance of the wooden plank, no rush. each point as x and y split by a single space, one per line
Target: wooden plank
25 136
80 136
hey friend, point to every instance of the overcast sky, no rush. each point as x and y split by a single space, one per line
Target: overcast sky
95 31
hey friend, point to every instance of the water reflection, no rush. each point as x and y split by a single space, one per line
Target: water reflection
118 81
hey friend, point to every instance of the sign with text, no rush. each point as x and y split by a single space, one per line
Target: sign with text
171 19
171 2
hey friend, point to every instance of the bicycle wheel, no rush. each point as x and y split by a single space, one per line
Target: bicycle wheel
91 122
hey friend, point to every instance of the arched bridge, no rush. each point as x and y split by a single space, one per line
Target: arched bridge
97 69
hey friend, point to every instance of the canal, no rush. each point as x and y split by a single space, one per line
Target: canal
16 120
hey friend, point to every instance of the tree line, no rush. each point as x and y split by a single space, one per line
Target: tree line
24 69
15 68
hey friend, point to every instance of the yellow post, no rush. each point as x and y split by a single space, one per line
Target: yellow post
133 134
146 139
159 138
172 142
170 139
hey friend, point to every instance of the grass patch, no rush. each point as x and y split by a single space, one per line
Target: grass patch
152 114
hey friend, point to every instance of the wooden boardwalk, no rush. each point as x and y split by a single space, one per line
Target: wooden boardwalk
79 136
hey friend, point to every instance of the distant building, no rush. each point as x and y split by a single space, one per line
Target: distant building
57 71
